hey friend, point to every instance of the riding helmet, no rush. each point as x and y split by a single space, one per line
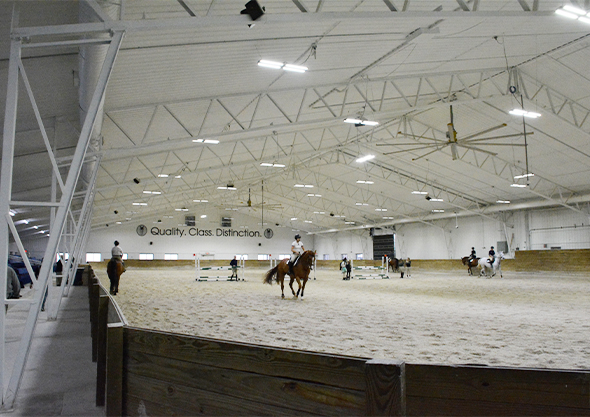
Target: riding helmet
297 236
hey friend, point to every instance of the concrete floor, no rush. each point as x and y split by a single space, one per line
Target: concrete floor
60 377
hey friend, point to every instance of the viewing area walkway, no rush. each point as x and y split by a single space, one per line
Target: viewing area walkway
60 377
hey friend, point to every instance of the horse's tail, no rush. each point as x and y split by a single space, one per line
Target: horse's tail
268 277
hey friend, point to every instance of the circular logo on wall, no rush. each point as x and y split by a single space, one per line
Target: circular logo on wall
141 230
268 233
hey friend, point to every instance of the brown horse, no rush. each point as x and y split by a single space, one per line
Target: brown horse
114 270
300 270
470 264
394 264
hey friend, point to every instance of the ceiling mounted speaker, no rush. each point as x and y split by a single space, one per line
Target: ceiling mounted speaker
253 10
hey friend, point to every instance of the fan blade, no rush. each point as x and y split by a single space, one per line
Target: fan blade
423 137
473 148
426 154
414 149
513 135
407 144
491 129
493 144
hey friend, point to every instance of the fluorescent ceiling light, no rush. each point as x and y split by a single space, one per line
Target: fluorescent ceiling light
140 204
293 218
364 182
12 212
365 158
35 227
438 211
436 199
152 192
387 218
564 13
520 112
226 187
518 185
268 164
209 141
361 204
295 68
303 186
349 222
380 209
279 65
524 176
118 223
307 221
359 122
181 209
503 201
162 175
319 212
203 216
420 192
573 9
270 64
314 195
200 201
178 176
231 209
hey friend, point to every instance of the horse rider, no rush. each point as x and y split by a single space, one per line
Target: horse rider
296 250
492 255
473 255
117 254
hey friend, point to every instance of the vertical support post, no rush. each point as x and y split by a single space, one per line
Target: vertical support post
114 381
101 357
385 394
6 188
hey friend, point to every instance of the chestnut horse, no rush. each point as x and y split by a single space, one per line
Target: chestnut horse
394 264
470 263
300 271
114 270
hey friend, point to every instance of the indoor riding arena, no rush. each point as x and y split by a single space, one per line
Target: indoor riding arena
440 342
151 150
526 319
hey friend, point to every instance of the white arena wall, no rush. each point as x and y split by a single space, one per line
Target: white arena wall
449 238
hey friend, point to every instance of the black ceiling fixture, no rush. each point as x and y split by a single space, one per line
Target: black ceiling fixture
253 10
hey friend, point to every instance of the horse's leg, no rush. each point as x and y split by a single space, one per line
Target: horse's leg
291 285
303 287
298 289
281 279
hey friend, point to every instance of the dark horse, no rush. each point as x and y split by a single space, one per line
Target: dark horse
114 270
300 269
469 263
394 264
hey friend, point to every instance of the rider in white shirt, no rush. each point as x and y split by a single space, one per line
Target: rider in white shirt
117 254
296 250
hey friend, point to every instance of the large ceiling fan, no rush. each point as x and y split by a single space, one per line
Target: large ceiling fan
467 142
262 205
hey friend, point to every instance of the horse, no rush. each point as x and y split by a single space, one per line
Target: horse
470 263
114 270
491 270
394 264
300 271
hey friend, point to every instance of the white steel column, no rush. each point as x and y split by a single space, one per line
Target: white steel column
6 187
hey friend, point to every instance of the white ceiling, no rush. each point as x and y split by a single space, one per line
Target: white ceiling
187 69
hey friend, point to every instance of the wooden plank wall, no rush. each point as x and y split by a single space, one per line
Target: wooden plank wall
169 374
486 391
